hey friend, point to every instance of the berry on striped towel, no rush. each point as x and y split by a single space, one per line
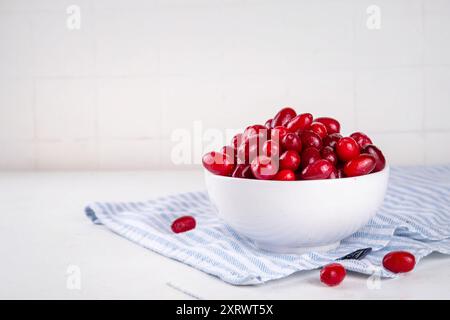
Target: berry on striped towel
183 224
399 261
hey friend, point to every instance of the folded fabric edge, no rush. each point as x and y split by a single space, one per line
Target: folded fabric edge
90 213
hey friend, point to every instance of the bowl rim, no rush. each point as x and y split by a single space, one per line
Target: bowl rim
385 170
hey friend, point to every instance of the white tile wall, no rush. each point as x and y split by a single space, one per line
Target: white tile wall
437 97
389 99
65 108
136 154
16 109
61 155
110 95
16 57
437 32
59 51
129 108
398 42
126 43
318 34
436 147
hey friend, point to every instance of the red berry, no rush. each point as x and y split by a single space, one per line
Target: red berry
321 169
332 125
309 155
230 151
218 163
278 133
361 165
255 129
300 122
285 175
311 139
237 140
334 174
291 141
331 140
378 155
361 139
183 224
264 168
337 173
328 153
248 151
399 261
271 148
242 171
347 149
283 117
290 160
340 173
268 124
332 274
319 128
251 147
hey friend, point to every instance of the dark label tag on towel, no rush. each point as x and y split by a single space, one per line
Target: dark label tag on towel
357 255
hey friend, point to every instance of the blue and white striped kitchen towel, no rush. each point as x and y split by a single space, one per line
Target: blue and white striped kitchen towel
414 217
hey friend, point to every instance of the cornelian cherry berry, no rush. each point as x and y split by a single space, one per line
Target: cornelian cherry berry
332 125
247 151
309 155
334 174
332 274
399 261
310 139
337 173
218 163
290 160
230 151
319 128
285 175
300 122
242 171
361 139
271 148
361 165
183 224
237 140
264 167
377 154
278 133
254 129
268 124
283 117
347 149
321 169
291 141
328 153
331 140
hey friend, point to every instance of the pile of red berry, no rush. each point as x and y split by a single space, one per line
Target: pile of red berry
296 147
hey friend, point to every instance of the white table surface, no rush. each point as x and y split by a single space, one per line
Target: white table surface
43 231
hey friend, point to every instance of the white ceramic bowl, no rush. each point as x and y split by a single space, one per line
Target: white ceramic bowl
297 216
